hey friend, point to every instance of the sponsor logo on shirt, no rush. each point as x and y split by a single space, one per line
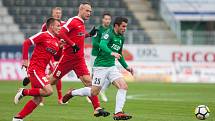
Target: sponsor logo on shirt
52 51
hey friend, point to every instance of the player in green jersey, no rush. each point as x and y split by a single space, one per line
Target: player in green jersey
106 21
111 46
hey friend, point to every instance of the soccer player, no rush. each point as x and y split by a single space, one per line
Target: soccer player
105 70
74 33
106 21
56 12
47 46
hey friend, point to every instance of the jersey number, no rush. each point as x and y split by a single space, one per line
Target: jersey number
97 80
45 79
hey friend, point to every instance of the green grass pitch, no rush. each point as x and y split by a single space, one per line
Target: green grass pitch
146 102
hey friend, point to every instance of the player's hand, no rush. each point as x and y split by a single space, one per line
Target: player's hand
130 70
116 55
93 31
62 43
25 64
75 48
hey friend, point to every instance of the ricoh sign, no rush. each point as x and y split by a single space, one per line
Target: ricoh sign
172 53
193 56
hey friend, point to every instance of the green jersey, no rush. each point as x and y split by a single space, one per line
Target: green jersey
97 38
110 42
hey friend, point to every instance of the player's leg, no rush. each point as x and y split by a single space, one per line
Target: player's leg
59 91
28 108
64 66
40 87
102 92
118 81
84 76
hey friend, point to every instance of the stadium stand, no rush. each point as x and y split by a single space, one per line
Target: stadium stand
9 32
30 14
194 24
146 12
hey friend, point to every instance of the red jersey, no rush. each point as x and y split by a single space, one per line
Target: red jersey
76 33
45 29
46 47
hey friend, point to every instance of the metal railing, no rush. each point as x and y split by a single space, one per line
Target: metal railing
190 37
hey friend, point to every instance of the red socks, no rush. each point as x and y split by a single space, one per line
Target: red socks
31 92
95 101
29 107
59 89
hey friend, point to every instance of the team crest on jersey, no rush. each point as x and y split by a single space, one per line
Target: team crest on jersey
81 34
106 36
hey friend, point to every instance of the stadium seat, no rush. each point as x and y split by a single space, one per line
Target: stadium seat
31 14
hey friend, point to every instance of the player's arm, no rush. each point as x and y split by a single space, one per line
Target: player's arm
123 62
103 46
63 35
26 45
43 28
58 54
95 39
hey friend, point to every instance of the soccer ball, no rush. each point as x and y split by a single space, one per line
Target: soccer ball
202 112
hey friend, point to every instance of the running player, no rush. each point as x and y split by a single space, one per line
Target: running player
74 33
105 70
106 21
56 12
47 46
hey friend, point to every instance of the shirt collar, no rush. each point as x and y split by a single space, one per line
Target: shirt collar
79 18
51 34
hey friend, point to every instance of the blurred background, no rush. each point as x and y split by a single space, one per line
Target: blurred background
166 40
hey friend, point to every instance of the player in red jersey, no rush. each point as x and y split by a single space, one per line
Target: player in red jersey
74 33
47 46
56 12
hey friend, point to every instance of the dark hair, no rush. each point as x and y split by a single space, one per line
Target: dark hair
106 13
119 20
86 3
50 21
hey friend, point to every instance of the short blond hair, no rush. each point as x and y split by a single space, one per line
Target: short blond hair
55 8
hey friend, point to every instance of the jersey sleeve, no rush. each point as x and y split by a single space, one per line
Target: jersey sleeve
104 42
69 25
122 59
25 47
95 39
43 28
37 38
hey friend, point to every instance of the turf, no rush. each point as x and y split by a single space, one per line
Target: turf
146 102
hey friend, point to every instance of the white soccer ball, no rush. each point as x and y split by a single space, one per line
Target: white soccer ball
202 112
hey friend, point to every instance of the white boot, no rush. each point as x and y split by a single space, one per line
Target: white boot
17 119
103 96
18 96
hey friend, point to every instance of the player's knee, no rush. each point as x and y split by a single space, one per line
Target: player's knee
87 82
94 91
48 92
53 80
37 100
123 86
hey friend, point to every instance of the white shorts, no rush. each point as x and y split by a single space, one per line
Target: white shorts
102 74
92 60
